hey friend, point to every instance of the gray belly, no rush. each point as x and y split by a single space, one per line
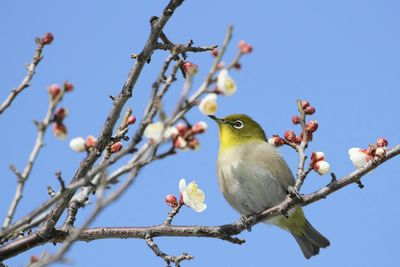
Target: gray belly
249 188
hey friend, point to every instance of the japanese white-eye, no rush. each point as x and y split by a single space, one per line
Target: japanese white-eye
253 177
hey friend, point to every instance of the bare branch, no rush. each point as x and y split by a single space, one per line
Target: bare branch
31 67
23 177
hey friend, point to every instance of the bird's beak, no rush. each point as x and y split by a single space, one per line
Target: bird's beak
217 120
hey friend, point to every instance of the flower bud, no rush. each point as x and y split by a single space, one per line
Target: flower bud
276 141
199 127
77 144
220 65
322 167
190 68
54 91
305 104
131 120
34 259
90 141
309 110
298 140
193 144
290 135
116 147
317 156
214 52
296 119
382 142
237 66
312 126
68 87
359 156
171 201
47 39
60 131
380 152
180 143
60 114
182 128
244 47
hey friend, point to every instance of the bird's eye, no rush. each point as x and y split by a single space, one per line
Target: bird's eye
238 124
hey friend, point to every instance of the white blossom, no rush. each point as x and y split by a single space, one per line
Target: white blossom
225 84
209 106
192 195
359 157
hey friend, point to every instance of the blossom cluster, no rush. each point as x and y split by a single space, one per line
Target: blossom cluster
183 136
360 156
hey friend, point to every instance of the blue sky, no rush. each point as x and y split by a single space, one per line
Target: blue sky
342 56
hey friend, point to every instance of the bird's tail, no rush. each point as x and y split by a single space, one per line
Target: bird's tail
310 240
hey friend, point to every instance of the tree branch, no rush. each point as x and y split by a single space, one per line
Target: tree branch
31 67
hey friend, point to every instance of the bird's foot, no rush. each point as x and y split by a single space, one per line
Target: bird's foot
247 221
293 193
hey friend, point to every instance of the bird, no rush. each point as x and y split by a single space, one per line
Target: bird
253 176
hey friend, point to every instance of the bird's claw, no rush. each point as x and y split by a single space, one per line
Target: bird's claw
293 193
247 221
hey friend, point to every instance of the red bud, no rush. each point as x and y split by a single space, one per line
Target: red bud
171 201
296 119
131 120
309 110
382 142
290 135
312 126
116 147
47 39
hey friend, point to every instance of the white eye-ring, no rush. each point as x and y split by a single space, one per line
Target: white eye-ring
238 124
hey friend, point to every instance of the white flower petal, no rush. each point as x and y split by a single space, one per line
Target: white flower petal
182 185
358 157
323 167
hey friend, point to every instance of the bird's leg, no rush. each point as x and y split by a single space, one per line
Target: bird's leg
293 193
247 221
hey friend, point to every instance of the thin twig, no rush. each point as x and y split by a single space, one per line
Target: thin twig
31 67
23 177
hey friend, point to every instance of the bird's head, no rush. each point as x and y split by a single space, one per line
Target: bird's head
238 129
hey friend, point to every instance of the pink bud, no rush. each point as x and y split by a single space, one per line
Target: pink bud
220 65
290 135
116 147
309 110
180 143
244 47
171 201
199 127
90 141
54 90
47 39
190 68
317 156
60 131
237 66
181 128
68 87
34 259
296 119
305 104
312 126
298 140
131 120
382 142
276 141
193 144
214 52
60 114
